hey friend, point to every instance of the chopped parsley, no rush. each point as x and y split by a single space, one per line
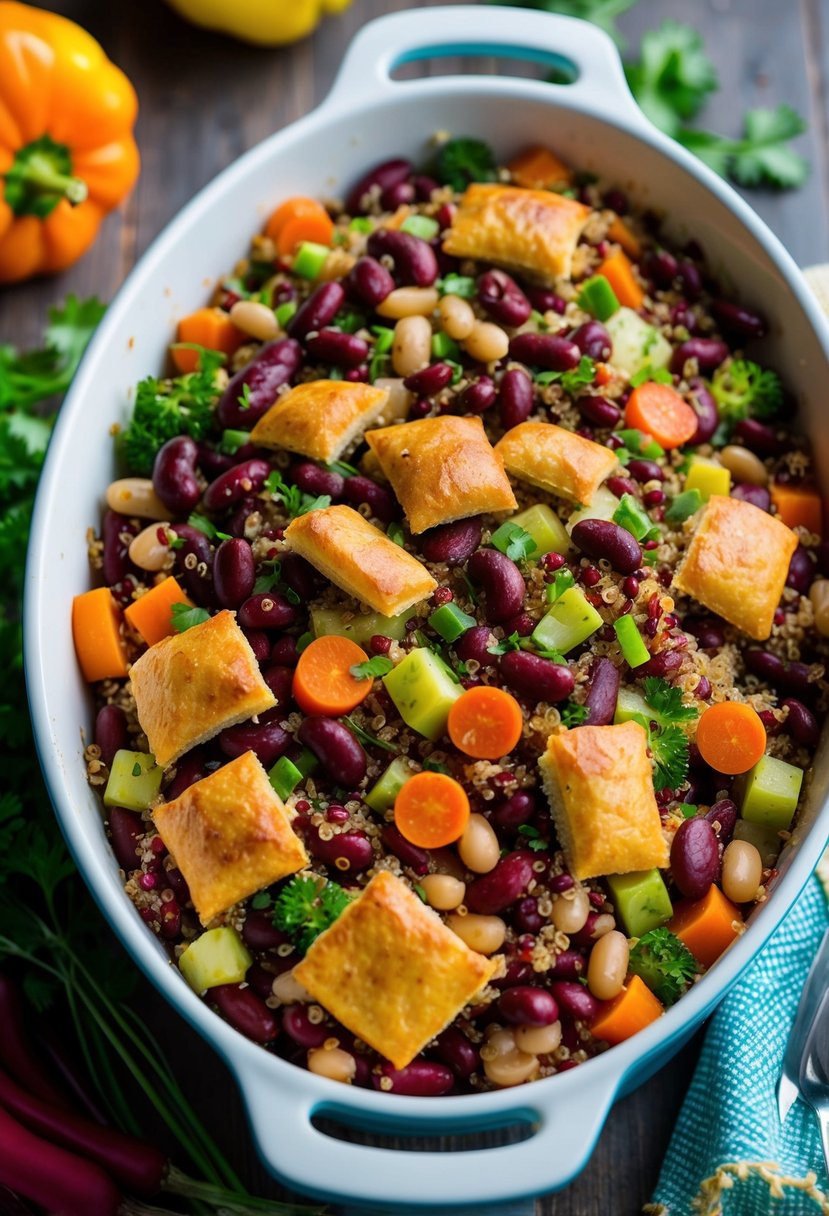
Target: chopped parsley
532 838
294 500
307 906
464 160
202 524
513 642
574 715
514 541
742 389
163 409
378 666
664 963
185 617
570 381
667 740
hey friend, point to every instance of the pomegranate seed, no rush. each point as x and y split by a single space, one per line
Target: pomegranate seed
651 544
380 644
157 845
552 561
590 575
654 498
303 807
148 882
779 616
631 587
336 814
442 596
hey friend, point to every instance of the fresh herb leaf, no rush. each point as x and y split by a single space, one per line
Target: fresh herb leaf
262 899
457 285
669 748
743 389
574 715
395 532
345 470
601 12
673 76
349 321
435 766
202 524
166 408
651 375
464 160
563 580
665 964
244 399
514 541
378 666
307 906
585 373
365 737
27 377
513 642
293 499
532 837
666 702
688 811
762 157
185 617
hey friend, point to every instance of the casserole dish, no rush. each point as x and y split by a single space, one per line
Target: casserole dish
595 123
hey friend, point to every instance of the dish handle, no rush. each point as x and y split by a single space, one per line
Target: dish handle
561 1124
579 50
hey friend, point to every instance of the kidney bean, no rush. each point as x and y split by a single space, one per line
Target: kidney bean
197 577
336 749
260 979
550 351
245 1011
267 740
575 1000
414 260
415 858
545 300
298 1026
599 411
382 177
284 652
645 470
568 965
724 813
334 346
602 692
758 437
420 1079
178 885
260 644
593 340
238 521
126 829
234 572
764 664
801 570
664 664
369 281
455 1049
515 397
429 381
502 299
695 857
174 475
266 610
758 496
801 723
501 887
709 633
660 267
737 320
534 678
274 365
212 463
476 398
622 485
600 538
110 731
300 576
349 852
528 1006
398 195
513 813
242 479
192 767
502 583
472 647
116 559
318 311
260 933
690 277
708 352
522 624
526 916
311 479
358 489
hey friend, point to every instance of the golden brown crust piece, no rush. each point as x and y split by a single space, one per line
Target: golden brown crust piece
556 460
230 836
442 469
599 782
390 970
321 418
190 686
737 562
532 230
360 559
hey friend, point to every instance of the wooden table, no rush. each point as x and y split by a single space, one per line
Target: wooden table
204 100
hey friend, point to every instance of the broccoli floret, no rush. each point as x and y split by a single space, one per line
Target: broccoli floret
664 963
742 388
461 161
166 408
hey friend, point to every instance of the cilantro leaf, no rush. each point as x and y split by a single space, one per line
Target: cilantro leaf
513 642
307 906
601 12
585 373
574 715
562 581
532 837
293 499
669 748
163 409
649 374
762 157
742 388
202 524
32 376
666 702
665 964
514 541
464 160
378 666
185 617
673 76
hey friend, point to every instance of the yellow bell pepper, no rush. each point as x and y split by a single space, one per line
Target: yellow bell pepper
265 22
67 155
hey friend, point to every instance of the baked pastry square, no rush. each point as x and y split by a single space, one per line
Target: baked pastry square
320 419
230 836
360 559
391 971
190 686
531 230
599 783
442 469
556 460
737 562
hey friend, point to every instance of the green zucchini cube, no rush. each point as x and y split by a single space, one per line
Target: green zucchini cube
424 691
546 529
641 899
636 344
134 781
631 706
766 840
219 956
770 793
382 794
604 506
361 627
570 621
633 649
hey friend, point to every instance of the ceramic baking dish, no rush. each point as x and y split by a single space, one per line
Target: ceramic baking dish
594 124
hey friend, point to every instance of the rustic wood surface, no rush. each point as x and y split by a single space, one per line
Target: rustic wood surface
204 100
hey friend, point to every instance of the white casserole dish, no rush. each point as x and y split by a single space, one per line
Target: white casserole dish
595 125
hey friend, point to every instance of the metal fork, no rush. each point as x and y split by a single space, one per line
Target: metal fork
813 1079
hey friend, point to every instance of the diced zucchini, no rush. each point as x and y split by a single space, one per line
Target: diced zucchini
451 622
423 690
634 650
632 516
546 529
134 781
708 476
421 225
683 506
598 298
284 776
309 259
382 794
636 344
603 506
218 956
771 791
631 706
641 899
360 627
570 621
765 839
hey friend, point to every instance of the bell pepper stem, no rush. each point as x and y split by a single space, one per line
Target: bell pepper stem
40 175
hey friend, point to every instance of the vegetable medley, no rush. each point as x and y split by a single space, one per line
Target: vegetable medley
459 635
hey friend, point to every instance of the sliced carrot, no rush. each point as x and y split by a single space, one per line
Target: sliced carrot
211 328
731 737
603 375
707 926
431 810
292 209
317 228
659 411
151 615
624 236
485 722
323 682
798 506
631 1011
96 629
619 273
538 168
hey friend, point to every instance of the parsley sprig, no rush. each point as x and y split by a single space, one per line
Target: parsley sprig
665 964
307 906
378 666
294 500
667 740
183 405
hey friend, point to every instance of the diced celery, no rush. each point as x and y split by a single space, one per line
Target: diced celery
641 900
309 259
450 622
631 706
632 516
444 347
423 691
598 298
134 781
765 839
233 440
361 223
307 762
771 791
382 794
640 443
284 312
708 476
546 529
569 622
360 627
683 506
284 776
421 225
218 956
634 650
636 344
603 506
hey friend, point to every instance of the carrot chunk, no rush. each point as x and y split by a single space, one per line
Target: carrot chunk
323 680
798 506
208 327
731 737
431 810
624 236
706 926
538 168
96 629
631 1011
619 273
297 220
152 614
659 411
485 722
